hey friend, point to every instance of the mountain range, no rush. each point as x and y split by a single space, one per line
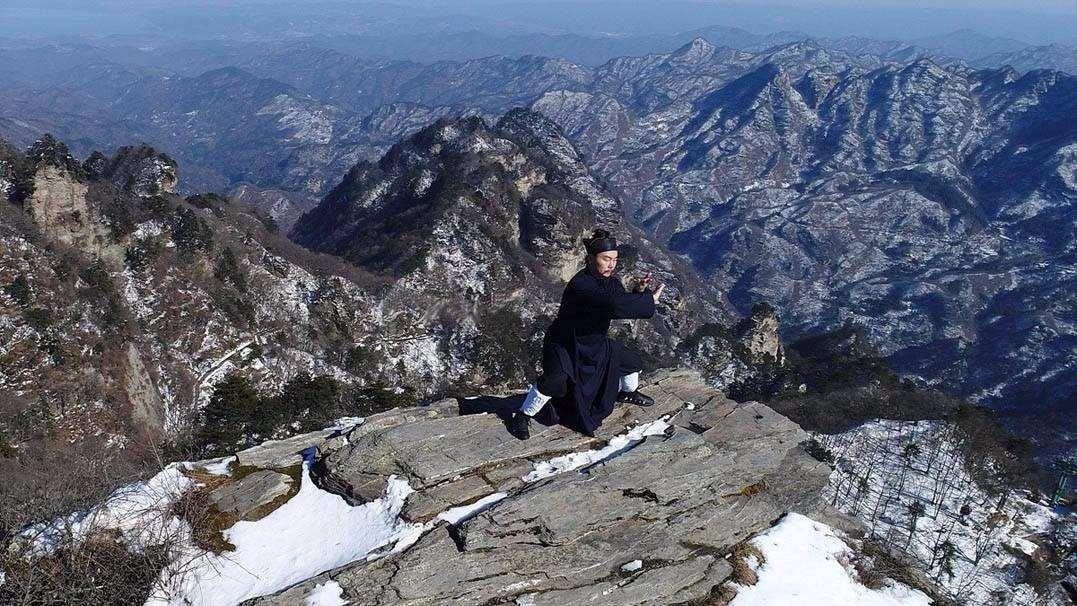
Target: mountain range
322 354
928 202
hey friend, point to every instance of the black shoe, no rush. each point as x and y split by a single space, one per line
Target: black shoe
520 425
635 397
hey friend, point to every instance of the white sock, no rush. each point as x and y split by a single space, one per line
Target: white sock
630 382
534 402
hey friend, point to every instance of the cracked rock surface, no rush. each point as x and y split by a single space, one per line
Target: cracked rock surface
677 501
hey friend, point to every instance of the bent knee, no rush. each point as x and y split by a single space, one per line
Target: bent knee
554 385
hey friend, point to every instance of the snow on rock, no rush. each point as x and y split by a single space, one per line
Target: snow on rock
346 423
311 533
459 514
139 511
807 563
219 467
326 594
616 446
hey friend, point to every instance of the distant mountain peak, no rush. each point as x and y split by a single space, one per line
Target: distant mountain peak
140 169
698 49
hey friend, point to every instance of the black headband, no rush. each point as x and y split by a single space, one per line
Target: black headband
601 245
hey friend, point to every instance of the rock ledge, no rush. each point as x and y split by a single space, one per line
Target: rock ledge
675 501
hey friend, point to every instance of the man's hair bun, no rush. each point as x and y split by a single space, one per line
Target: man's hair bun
600 241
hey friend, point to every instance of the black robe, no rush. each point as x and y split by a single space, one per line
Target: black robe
581 365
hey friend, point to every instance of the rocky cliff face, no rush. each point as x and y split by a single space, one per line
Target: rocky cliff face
124 303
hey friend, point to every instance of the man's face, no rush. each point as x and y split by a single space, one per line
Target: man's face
605 263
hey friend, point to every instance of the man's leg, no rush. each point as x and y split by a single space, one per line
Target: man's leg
549 386
629 364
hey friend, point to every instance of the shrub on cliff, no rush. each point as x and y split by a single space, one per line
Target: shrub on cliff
238 416
190 232
228 419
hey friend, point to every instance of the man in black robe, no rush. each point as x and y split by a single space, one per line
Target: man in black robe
583 370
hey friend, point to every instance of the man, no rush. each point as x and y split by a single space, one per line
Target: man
583 370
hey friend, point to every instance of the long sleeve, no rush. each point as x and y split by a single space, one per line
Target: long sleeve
632 305
613 302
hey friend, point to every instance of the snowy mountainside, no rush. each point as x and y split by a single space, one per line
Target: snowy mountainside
932 205
173 295
839 180
475 222
154 298
916 490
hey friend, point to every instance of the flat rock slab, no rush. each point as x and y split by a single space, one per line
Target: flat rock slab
439 448
279 454
250 493
676 501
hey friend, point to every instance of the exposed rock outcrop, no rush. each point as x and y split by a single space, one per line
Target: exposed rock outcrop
252 492
705 474
728 354
142 170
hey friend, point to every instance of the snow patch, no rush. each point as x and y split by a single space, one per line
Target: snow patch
219 467
148 229
139 511
313 532
455 515
807 564
616 446
347 423
329 593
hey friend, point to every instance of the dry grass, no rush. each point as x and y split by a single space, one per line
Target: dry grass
740 558
99 570
207 522
876 567
721 595
749 490
59 564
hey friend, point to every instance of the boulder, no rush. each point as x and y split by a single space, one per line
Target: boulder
251 493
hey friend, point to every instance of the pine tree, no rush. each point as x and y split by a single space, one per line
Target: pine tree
228 419
19 289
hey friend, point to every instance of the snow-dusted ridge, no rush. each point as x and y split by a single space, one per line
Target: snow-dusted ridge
907 482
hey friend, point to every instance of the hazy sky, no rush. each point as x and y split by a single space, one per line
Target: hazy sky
1033 21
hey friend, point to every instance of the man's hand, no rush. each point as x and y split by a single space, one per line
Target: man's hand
658 292
643 284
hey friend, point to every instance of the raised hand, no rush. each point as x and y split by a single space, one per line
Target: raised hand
658 292
641 285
